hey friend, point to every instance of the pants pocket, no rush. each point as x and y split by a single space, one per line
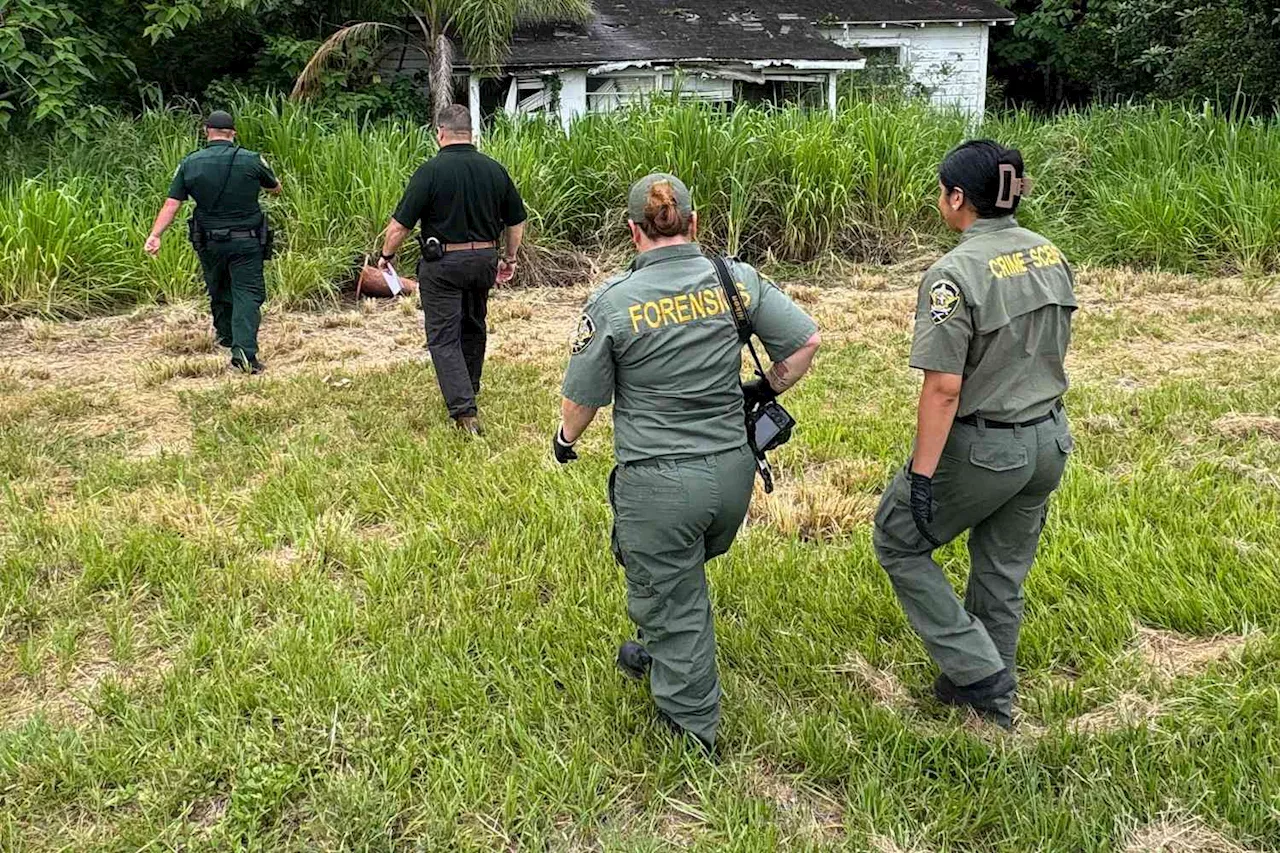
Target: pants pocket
999 456
1066 443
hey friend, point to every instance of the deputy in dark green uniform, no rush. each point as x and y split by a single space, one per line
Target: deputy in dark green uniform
660 343
229 232
991 333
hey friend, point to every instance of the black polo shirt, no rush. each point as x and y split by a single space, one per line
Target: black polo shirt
461 196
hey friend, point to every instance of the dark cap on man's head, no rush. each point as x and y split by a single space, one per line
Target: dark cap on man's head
220 120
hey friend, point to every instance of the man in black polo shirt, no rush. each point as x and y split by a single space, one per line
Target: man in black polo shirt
464 201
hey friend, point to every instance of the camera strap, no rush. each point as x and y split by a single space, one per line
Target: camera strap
742 320
737 309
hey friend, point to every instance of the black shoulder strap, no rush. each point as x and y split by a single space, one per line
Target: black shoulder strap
226 179
737 309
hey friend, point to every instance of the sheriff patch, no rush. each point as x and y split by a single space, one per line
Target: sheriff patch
944 299
583 335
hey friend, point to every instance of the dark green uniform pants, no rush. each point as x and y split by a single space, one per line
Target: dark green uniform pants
996 483
234 280
670 518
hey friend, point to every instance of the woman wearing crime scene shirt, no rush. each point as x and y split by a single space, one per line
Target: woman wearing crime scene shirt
660 343
992 327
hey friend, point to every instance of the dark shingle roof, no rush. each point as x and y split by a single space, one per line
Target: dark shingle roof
899 11
641 31
657 30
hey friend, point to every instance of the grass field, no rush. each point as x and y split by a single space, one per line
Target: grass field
299 612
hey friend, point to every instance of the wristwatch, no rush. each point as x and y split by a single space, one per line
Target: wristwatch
386 257
511 262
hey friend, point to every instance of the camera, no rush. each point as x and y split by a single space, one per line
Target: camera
769 427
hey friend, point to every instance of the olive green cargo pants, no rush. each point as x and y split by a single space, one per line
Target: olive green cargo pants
233 277
996 483
670 518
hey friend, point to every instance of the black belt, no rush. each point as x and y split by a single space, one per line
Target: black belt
972 420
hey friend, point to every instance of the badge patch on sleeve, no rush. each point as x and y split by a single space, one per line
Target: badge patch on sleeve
944 299
584 334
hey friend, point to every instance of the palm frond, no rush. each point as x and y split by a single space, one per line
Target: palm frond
308 81
553 11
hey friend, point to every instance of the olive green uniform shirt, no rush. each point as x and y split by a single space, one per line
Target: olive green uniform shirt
996 310
659 341
225 180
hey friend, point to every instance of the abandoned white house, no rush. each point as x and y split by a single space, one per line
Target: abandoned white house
728 50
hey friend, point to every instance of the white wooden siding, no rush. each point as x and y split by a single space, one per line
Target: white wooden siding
949 60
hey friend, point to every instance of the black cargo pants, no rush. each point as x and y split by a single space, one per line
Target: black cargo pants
455 305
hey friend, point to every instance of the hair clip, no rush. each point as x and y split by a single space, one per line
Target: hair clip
1011 186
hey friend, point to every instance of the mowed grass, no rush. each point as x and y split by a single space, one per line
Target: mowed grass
328 622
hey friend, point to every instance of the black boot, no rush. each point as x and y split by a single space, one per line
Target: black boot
246 363
634 660
982 696
679 731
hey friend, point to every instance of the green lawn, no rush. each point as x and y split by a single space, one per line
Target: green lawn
322 620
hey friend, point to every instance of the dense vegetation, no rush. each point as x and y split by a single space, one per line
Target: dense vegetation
67 65
1145 186
1226 52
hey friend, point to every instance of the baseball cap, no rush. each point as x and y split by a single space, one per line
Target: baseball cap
220 120
640 195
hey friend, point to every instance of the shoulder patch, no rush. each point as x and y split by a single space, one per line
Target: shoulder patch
944 299
583 335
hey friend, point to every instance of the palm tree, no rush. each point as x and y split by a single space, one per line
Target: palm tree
484 28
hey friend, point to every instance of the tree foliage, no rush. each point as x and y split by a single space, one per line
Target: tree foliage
1076 51
482 28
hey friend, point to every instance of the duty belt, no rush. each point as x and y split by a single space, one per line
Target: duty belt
977 420
232 233
470 247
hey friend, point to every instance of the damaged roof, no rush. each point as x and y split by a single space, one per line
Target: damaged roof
649 31
779 32
832 12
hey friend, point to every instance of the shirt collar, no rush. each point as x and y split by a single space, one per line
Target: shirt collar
213 142
989 226
666 253
459 146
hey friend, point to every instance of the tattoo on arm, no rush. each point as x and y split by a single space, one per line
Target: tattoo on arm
781 377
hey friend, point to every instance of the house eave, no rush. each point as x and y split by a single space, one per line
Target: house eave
829 65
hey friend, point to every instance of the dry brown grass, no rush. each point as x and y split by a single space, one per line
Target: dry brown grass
1128 711
1180 832
805 812
1171 655
884 687
1240 426
825 501
66 698
170 348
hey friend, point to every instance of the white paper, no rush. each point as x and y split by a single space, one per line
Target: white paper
392 280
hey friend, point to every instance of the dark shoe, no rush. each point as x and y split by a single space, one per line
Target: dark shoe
981 696
470 425
681 732
223 343
634 660
247 364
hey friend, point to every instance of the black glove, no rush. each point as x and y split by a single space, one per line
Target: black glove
758 392
922 505
562 449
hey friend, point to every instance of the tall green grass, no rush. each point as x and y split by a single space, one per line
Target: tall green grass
1154 186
